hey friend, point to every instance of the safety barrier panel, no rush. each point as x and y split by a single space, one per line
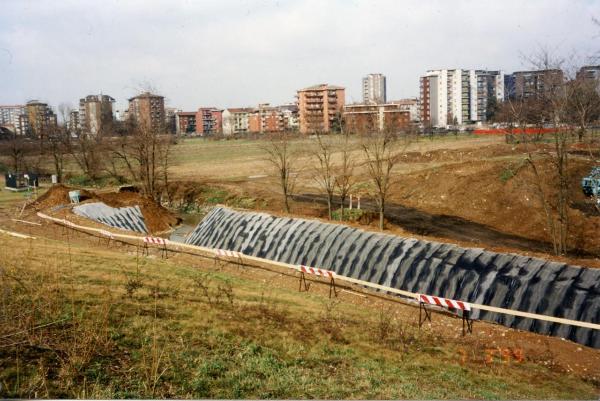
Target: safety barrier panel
226 253
210 252
317 272
465 307
157 241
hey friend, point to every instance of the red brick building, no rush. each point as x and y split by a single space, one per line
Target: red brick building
363 118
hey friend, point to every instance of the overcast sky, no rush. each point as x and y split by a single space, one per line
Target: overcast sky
237 53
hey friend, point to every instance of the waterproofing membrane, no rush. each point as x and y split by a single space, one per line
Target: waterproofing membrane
127 218
468 274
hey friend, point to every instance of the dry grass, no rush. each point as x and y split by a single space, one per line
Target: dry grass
72 328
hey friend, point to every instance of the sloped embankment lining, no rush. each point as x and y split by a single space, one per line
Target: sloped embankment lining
126 218
468 274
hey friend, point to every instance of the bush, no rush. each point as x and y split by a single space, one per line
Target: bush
352 215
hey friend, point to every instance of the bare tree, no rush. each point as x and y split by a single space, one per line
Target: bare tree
324 170
282 158
149 148
344 176
583 103
381 155
550 185
88 152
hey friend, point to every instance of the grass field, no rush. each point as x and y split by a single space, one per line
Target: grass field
83 321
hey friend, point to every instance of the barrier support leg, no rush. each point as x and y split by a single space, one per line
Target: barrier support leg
467 323
303 280
332 288
146 251
165 252
427 314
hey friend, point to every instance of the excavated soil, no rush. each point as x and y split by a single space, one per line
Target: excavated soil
157 218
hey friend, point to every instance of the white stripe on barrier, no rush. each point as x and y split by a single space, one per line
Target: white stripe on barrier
316 271
155 240
224 252
447 303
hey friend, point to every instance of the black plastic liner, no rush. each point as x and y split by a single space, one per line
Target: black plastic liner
126 218
467 274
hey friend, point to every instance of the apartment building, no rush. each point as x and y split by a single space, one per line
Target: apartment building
319 107
148 110
236 120
290 116
209 121
13 117
532 84
171 119
411 105
185 122
589 72
458 97
95 114
40 118
74 124
376 117
374 89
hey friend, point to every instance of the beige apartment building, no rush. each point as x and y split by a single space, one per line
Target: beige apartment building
95 114
319 106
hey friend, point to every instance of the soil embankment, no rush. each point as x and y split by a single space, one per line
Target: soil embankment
157 218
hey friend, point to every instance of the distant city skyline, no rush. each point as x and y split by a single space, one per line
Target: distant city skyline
241 53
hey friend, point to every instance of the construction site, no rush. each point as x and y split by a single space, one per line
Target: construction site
218 292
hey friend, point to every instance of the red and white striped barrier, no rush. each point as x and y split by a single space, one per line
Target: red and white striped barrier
155 240
224 252
448 303
316 271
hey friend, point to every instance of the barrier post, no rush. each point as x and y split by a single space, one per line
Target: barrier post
467 321
165 251
332 288
422 308
303 280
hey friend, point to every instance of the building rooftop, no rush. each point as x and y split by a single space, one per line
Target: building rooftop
240 109
146 95
321 87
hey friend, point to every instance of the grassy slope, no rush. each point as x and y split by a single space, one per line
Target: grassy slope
178 335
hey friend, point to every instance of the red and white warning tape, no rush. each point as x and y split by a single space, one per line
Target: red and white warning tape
448 303
155 240
316 271
223 252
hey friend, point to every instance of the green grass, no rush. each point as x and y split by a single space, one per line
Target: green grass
178 335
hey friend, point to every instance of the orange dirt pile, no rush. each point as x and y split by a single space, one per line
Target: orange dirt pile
58 195
157 218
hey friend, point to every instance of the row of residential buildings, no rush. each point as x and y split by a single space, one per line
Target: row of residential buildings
448 97
459 97
32 118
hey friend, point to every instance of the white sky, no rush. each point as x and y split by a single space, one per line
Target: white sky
239 53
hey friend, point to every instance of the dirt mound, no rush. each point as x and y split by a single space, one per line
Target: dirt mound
157 218
58 195
489 193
